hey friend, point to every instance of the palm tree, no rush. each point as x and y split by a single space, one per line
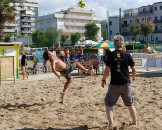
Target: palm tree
7 14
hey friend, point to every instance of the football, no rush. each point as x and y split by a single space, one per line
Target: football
81 4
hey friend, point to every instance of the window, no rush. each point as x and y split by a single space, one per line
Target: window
137 20
156 27
156 19
144 10
155 8
125 22
160 7
110 32
148 19
110 23
130 21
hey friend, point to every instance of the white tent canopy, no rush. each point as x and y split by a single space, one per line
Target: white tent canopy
87 42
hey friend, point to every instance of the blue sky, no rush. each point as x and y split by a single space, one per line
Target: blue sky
98 6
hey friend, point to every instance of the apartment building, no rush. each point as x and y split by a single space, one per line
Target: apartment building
150 13
68 21
112 28
24 24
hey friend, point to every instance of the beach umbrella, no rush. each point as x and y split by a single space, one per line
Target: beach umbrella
104 45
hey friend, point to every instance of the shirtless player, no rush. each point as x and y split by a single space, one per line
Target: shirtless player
64 69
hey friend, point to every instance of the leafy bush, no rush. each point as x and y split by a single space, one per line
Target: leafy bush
137 46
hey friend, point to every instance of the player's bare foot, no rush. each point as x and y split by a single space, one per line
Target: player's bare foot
89 71
61 102
62 97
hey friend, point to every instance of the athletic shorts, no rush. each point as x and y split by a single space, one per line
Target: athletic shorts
80 57
23 68
62 58
66 72
114 91
72 58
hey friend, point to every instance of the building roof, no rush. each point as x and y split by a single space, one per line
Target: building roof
20 1
10 43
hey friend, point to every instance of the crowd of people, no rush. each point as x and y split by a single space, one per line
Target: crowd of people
67 55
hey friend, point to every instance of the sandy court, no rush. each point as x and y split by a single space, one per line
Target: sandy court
34 104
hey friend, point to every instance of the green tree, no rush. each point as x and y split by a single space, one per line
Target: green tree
7 37
7 14
91 31
103 32
64 38
45 39
75 38
135 30
39 39
52 37
146 29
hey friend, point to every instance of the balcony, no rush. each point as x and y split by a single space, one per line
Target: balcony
10 25
78 17
96 19
71 31
126 33
125 25
27 20
75 24
26 26
158 21
26 15
158 31
26 31
146 12
59 15
126 15
9 30
139 13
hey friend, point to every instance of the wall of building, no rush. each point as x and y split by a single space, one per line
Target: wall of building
25 19
150 13
68 21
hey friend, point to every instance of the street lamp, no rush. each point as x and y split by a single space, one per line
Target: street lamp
53 37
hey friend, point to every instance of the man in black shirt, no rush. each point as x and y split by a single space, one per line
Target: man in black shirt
118 62
23 65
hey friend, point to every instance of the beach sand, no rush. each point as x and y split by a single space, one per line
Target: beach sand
34 104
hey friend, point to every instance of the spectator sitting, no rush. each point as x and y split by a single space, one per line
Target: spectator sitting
80 54
148 49
72 53
35 68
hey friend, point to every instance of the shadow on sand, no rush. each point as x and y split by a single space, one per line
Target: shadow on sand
11 107
150 74
85 127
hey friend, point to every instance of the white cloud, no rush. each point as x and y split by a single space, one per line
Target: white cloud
98 6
